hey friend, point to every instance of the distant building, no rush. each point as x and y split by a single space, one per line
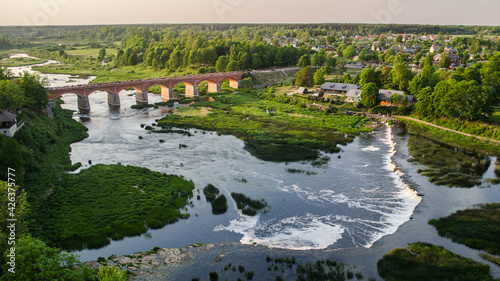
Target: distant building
353 95
435 48
339 88
451 50
9 124
453 58
330 49
385 96
302 90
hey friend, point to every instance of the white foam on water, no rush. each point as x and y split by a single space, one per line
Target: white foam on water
409 197
296 233
370 148
311 231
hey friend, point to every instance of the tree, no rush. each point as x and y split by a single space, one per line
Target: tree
33 86
10 95
425 106
256 61
367 76
329 65
5 73
244 60
319 76
370 95
349 52
232 66
221 64
304 61
318 58
305 77
401 76
246 83
102 54
37 261
444 61
341 69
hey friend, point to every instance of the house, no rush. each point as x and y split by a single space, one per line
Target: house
451 50
385 96
353 95
302 90
330 49
435 48
9 124
338 88
453 58
318 48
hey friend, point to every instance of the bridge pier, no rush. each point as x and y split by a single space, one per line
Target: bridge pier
214 87
141 97
167 93
83 104
234 84
191 91
113 99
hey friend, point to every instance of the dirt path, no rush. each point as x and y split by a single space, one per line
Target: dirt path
443 128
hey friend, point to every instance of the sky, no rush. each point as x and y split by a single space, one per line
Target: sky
90 12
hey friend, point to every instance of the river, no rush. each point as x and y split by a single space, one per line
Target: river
360 204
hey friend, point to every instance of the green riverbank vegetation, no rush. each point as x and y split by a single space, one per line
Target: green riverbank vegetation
274 128
422 261
446 165
478 228
88 209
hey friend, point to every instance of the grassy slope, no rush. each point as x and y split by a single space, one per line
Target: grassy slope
476 228
421 261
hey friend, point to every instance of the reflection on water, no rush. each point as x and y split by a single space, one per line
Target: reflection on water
446 165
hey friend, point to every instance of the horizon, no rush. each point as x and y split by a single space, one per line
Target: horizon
153 12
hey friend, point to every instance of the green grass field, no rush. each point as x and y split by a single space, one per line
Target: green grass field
85 53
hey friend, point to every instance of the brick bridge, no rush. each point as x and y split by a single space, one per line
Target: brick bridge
142 85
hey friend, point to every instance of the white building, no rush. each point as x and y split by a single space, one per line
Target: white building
9 124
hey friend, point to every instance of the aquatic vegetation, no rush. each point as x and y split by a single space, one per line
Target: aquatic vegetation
300 171
88 209
422 261
272 130
219 203
248 206
447 165
477 228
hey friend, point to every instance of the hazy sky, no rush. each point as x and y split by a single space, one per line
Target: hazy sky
88 12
